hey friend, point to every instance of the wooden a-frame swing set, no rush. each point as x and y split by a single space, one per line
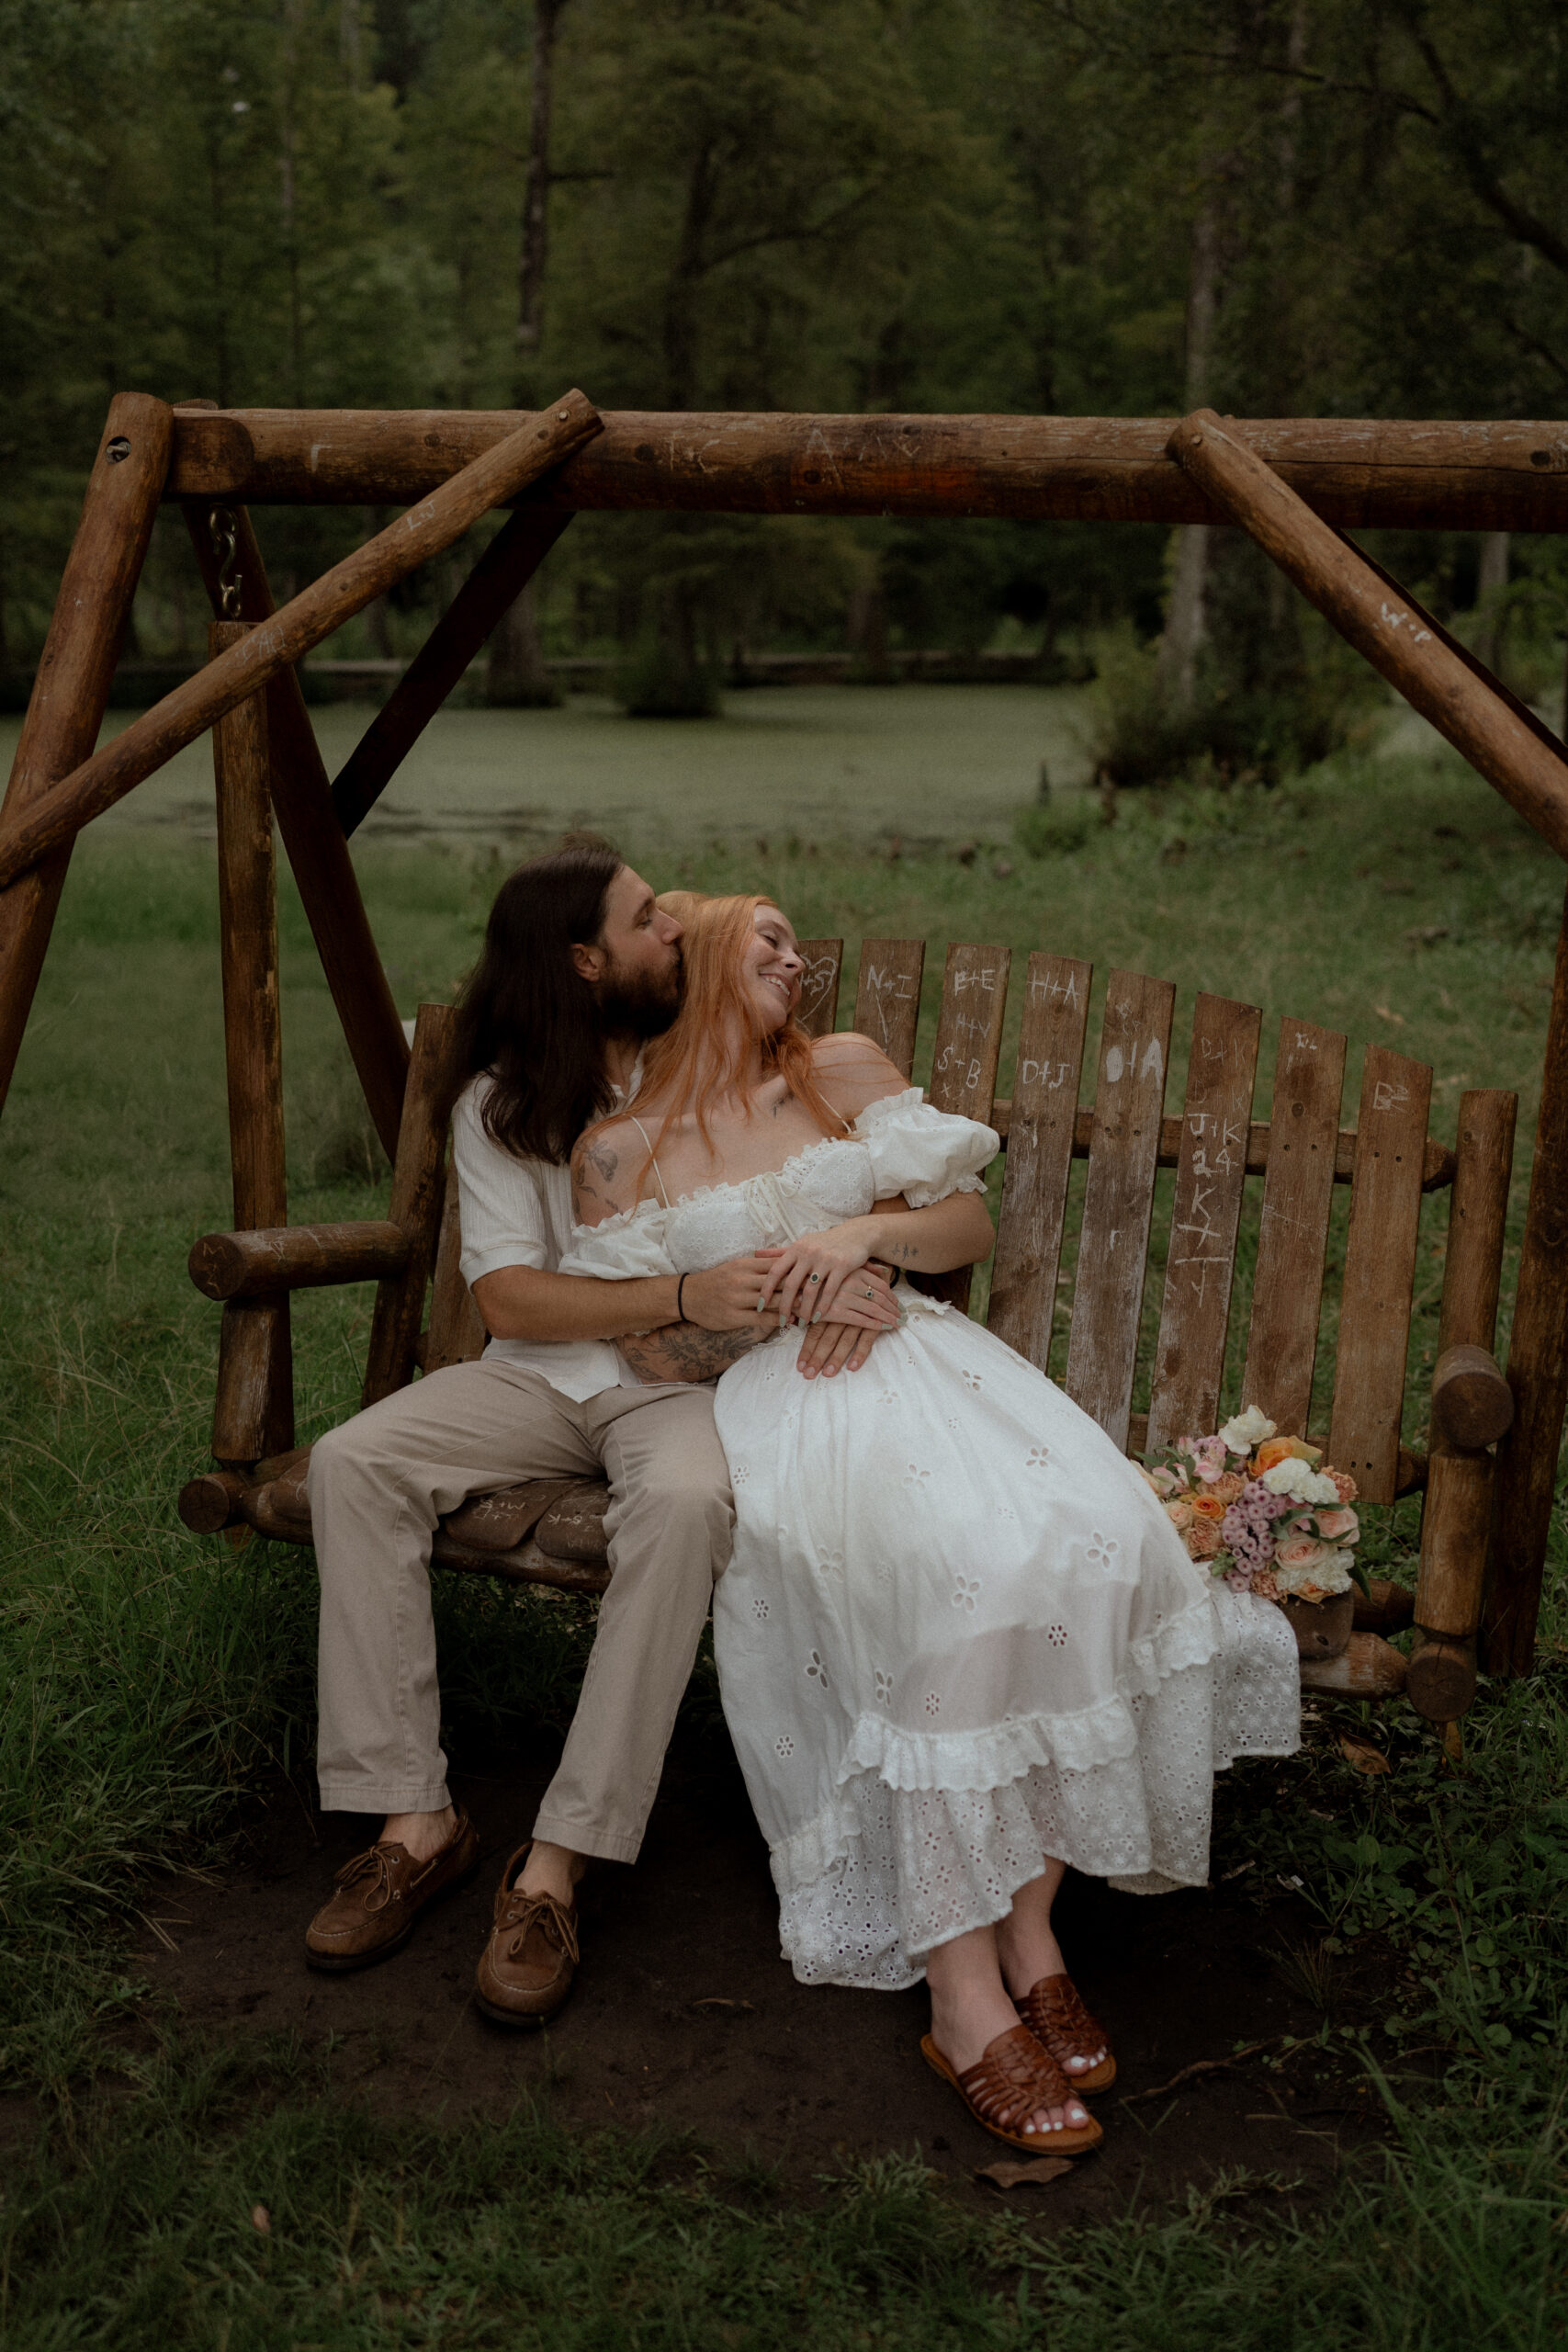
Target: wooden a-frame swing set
1297 486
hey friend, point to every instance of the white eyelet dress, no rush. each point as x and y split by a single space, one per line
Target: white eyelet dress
958 1632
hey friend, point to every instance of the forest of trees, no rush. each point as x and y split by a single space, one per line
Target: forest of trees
1114 207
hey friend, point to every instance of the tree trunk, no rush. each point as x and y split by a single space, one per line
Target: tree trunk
868 628
516 677
1184 620
535 253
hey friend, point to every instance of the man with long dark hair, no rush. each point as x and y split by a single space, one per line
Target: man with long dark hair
579 968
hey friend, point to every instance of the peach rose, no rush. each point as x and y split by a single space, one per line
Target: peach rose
1208 1507
1283 1448
1227 1488
1340 1526
1179 1515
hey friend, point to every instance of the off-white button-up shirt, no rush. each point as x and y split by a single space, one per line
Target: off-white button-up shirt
518 1212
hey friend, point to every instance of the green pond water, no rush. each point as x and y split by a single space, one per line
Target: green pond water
924 763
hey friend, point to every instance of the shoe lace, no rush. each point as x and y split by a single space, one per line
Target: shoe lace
375 1863
546 1911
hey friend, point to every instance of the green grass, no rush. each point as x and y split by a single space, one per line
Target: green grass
148 1680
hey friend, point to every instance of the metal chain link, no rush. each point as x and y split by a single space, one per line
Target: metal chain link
225 532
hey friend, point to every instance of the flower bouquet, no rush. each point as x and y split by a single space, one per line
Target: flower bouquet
1262 1511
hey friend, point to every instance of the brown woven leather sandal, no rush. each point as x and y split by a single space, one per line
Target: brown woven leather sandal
1060 2023
1014 2077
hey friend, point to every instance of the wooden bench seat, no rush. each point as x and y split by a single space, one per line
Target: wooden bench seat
551 1533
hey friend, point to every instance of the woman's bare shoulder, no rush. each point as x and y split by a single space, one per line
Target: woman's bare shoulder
852 1071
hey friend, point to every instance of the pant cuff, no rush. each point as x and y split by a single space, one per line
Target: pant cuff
340 1795
586 1837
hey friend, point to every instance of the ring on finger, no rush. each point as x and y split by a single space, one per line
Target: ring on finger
813 1278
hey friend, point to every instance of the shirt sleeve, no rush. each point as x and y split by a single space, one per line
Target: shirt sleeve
622 1247
502 1218
924 1154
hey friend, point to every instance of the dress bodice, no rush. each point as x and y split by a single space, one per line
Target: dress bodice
897 1146
819 1187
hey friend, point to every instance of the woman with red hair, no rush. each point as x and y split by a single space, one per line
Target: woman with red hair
959 1644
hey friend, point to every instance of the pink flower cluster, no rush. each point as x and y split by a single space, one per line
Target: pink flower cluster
1247 1532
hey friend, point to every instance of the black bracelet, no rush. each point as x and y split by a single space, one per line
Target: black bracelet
680 1310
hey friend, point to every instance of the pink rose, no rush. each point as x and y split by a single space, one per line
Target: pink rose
1179 1515
1299 1551
1208 1459
1340 1526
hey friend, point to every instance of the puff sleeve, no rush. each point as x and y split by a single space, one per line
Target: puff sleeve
622 1247
924 1154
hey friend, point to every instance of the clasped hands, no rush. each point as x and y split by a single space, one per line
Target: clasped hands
826 1281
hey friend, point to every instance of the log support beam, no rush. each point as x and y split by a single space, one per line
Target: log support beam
232 571
71 692
254 1412
499 577
243 669
1538 1368
1520 759
1358 473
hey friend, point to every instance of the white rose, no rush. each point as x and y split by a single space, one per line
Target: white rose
1329 1574
1245 1430
1301 1482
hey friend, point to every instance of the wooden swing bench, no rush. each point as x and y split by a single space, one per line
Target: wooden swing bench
551 1533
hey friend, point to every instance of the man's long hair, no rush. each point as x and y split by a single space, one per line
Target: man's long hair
702 1055
528 1016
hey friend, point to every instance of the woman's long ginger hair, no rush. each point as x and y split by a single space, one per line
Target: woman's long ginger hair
703 1054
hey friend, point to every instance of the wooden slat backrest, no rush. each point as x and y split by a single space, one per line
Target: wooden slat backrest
1293 1232
1211 1175
1039 1154
963 1061
887 1000
1135 1052
1379 1267
818 1010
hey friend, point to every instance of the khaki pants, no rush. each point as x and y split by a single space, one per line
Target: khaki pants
378 1485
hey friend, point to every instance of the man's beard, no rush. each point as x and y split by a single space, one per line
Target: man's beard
638 1005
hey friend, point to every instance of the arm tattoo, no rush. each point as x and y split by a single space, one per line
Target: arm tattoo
682 1351
604 1160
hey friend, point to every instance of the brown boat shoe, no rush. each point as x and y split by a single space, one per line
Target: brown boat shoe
525 1970
378 1897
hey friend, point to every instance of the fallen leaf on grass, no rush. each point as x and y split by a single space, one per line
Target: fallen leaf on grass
1362 1755
718 2001
261 2219
1038 2175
